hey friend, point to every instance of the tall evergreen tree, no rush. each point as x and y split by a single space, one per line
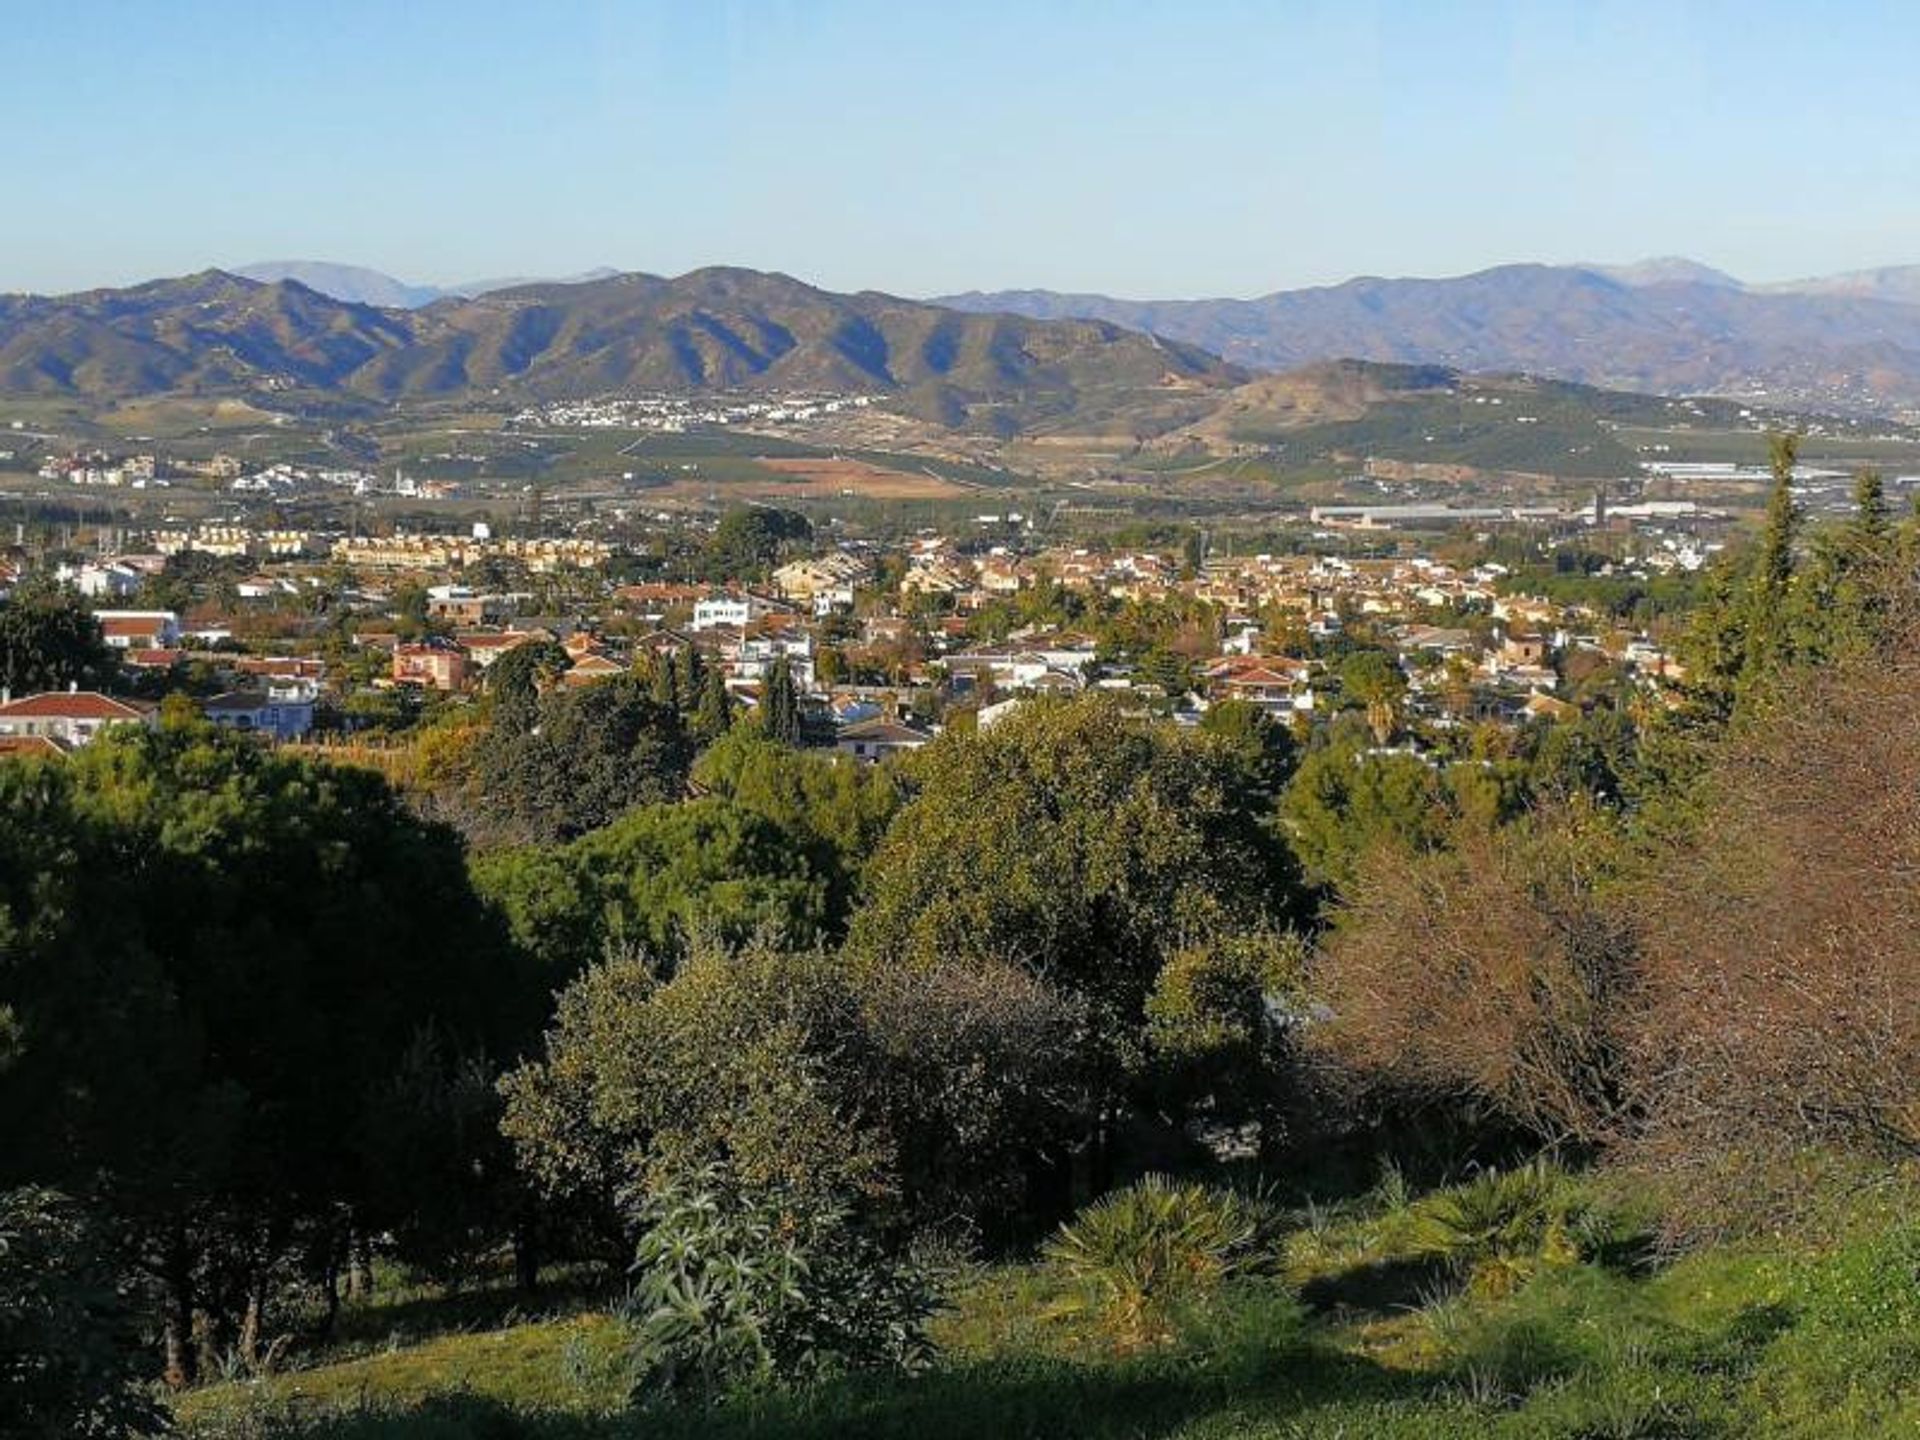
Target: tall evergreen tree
686 676
663 685
780 704
713 716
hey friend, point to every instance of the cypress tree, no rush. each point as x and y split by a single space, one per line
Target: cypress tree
780 704
714 715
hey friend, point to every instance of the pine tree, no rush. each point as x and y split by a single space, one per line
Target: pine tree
1872 522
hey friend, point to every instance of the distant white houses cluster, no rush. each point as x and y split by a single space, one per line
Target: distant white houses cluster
672 414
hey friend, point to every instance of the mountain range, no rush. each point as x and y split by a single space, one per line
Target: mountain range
361 286
1000 362
711 329
1845 342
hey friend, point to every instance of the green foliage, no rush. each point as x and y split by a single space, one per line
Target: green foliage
1219 1025
1499 1228
216 955
48 641
1372 680
738 1290
926 1090
517 679
829 808
1263 748
780 705
1343 802
1075 841
71 1361
593 752
662 873
748 539
754 1059
1143 1250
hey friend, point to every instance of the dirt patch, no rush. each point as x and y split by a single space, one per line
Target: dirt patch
810 476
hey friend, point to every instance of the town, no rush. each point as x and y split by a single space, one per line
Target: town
299 635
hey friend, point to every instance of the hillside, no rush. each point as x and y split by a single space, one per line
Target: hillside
1351 411
715 329
1663 327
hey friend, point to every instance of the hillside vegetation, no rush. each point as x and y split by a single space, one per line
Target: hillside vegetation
708 330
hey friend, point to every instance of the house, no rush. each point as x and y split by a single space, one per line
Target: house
592 665
139 629
825 583
1523 649
733 607
486 646
280 712
871 741
1274 683
110 580
433 666
71 717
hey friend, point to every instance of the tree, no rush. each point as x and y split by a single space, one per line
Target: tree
828 808
1781 1005
709 867
1343 802
749 538
48 641
1372 680
915 1096
593 752
518 679
713 714
1083 847
215 955
752 1059
780 704
1262 746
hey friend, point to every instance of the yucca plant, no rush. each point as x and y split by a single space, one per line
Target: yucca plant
1500 1228
1159 1241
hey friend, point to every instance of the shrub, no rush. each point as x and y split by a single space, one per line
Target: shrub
738 1289
70 1355
1497 1230
1142 1250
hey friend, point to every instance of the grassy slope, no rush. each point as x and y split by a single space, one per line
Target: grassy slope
1784 1342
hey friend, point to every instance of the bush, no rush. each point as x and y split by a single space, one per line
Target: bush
70 1357
737 1290
1496 1231
1143 1250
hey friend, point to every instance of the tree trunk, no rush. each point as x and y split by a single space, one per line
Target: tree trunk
330 1285
359 1266
182 1361
253 1318
526 1249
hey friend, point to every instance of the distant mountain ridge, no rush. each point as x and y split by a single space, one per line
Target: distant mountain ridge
1668 326
358 285
708 330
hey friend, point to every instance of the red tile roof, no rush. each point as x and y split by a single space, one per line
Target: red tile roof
30 745
68 705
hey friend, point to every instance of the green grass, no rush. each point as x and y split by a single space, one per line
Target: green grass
1811 1338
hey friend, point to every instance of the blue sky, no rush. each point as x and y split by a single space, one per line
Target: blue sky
1168 149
